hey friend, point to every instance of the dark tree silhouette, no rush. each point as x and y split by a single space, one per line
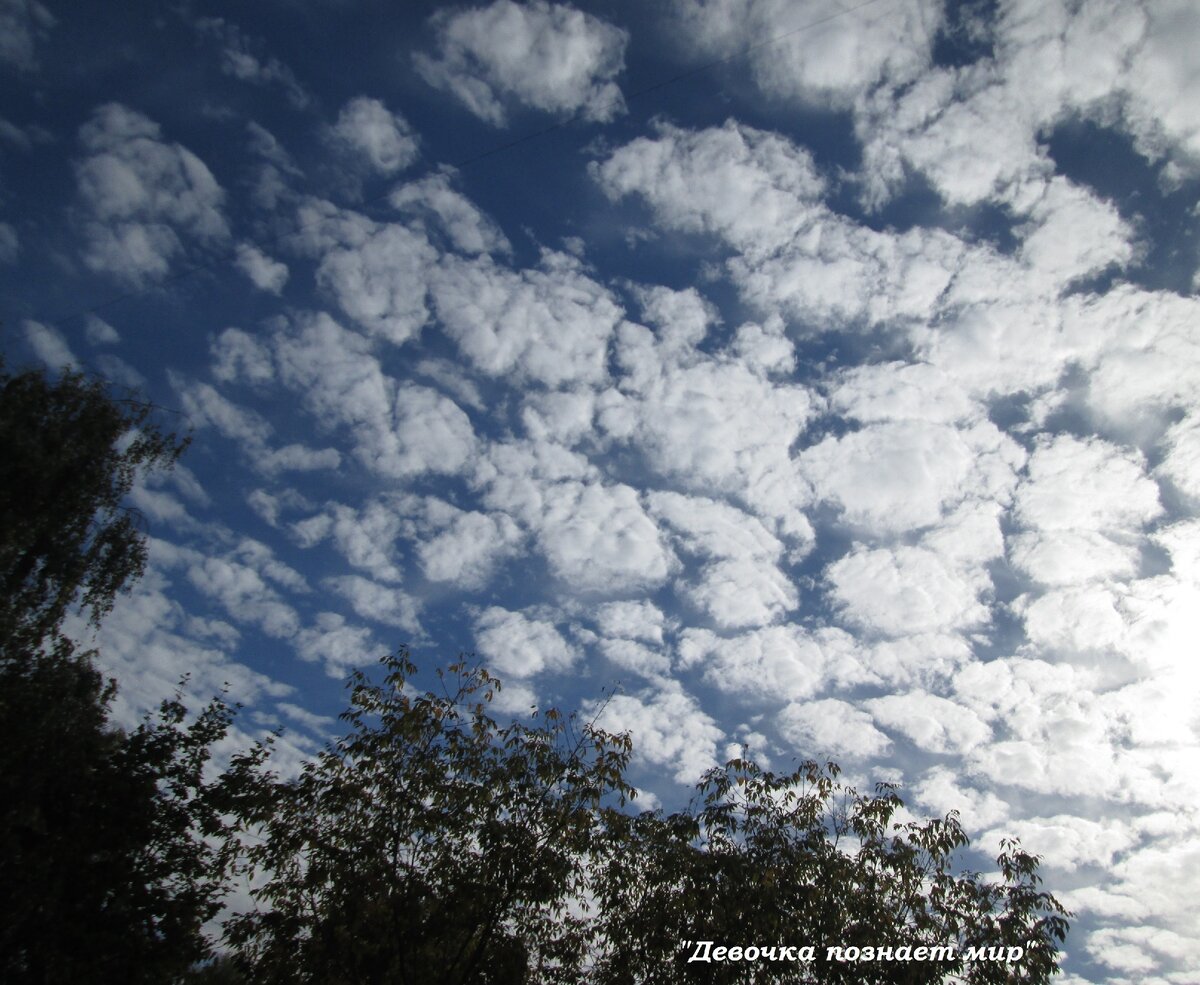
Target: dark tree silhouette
430 845
112 856
433 845
70 452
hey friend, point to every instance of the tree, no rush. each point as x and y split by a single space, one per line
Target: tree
114 843
430 845
113 856
769 860
433 845
70 452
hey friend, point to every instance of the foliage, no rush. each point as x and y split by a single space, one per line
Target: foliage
113 859
113 856
430 845
70 452
798 859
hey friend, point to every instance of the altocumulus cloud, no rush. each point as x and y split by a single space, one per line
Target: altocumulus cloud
851 413
550 57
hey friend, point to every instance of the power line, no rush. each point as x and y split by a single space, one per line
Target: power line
473 159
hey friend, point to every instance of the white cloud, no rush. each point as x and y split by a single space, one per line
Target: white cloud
896 476
651 663
1120 496
926 660
1182 542
742 592
366 538
1163 89
933 723
752 188
906 590
1181 465
321 724
514 698
118 371
140 195
1066 842
298 458
10 243
515 475
262 559
822 55
385 604
888 392
550 57
399 429
762 195
376 272
668 729
240 60
975 131
550 324
709 422
765 348
266 274
207 407
740 584
830 729
970 536
994 346
275 172
431 433
714 529
1140 951
22 139
1147 361
149 642
1057 734
1067 557
781 663
49 346
239 356
835 274
160 506
383 139
447 373
598 538
631 621
23 23
1069 232
968 133
562 416
516 645
240 588
1150 896
941 790
100 332
338 645
466 228
464 546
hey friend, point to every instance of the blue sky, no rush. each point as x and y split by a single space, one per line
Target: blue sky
822 377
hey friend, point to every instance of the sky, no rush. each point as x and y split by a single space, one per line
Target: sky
809 378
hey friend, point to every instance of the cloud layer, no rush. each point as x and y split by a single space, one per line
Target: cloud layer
850 413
